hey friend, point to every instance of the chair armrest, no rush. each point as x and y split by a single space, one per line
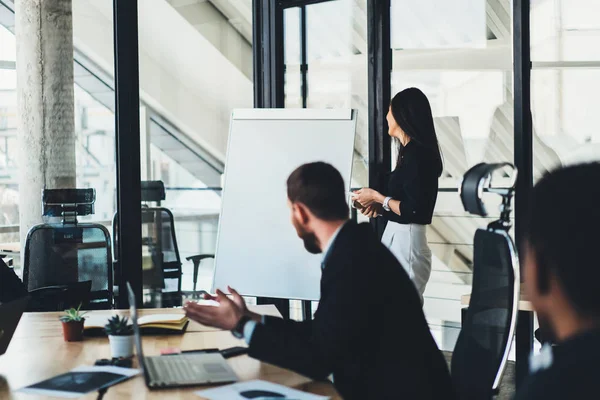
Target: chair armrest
196 261
197 258
48 289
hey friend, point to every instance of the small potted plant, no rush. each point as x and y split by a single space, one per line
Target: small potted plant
120 336
72 323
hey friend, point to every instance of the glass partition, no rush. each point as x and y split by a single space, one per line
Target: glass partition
91 147
565 81
463 64
194 70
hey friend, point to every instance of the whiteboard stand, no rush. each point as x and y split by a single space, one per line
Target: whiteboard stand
258 251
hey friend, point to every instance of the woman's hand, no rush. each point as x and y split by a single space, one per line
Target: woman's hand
367 197
372 211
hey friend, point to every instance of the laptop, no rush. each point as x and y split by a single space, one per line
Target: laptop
179 370
10 315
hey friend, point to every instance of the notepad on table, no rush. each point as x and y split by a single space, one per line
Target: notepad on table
80 381
154 324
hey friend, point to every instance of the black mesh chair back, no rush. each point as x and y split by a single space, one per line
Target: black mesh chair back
483 344
160 254
60 297
482 348
161 263
162 268
58 254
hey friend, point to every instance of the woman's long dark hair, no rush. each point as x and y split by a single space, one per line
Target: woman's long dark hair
412 113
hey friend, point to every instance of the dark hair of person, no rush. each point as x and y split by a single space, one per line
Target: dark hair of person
412 113
563 232
320 187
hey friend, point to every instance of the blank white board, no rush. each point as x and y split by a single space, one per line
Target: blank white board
258 251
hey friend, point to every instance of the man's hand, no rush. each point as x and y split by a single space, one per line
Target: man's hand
224 316
237 299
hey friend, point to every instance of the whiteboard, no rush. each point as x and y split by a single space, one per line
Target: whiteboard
258 251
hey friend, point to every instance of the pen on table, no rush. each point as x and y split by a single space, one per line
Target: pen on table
199 351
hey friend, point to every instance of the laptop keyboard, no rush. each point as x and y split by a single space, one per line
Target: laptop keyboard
175 370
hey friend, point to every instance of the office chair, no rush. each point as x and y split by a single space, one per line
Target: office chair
481 352
161 259
59 258
196 260
60 297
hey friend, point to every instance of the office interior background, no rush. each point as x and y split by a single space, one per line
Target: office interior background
199 59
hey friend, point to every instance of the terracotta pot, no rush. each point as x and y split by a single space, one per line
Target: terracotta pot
73 331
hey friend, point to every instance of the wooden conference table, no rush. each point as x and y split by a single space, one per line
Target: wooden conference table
38 351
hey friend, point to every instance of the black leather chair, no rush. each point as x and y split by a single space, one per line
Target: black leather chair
62 259
481 352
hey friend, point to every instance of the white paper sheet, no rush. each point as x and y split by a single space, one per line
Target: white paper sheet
126 372
235 392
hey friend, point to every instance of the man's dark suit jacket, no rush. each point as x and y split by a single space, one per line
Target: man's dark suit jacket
369 330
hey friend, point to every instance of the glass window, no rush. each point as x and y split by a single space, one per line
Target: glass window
191 78
93 144
292 58
468 82
336 57
9 192
95 127
565 80
337 68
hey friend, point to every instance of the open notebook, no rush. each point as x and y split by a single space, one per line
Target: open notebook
156 324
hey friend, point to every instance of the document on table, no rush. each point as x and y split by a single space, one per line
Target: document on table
80 381
256 390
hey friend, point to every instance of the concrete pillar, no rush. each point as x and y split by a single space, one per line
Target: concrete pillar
45 99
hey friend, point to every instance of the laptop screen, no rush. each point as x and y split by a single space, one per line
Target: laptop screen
136 327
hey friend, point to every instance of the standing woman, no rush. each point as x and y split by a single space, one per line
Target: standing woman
409 198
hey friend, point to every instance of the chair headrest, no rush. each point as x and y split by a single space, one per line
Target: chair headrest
477 180
58 202
153 191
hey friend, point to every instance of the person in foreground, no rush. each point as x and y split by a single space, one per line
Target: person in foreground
369 330
11 287
562 272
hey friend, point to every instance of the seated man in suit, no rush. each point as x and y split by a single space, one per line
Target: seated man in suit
369 330
11 287
562 272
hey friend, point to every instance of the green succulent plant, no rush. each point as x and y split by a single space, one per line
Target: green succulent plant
73 315
118 326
